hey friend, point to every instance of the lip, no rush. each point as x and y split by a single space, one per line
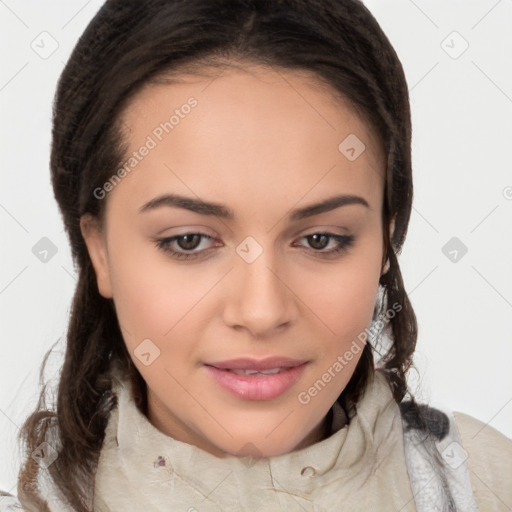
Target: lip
247 363
258 387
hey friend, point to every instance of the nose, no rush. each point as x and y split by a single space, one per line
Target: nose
259 299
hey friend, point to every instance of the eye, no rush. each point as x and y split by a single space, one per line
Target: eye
319 241
186 242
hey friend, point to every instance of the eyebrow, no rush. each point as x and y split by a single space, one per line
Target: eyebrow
218 210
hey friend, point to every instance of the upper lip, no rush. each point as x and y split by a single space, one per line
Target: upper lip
246 363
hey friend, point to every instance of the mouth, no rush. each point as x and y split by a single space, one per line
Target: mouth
262 380
257 373
262 365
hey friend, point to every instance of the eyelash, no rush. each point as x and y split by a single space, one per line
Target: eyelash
345 242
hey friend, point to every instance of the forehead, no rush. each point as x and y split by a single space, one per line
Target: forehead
260 129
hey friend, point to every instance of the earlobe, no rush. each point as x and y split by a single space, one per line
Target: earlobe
96 246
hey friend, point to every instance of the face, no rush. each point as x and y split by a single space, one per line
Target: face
216 247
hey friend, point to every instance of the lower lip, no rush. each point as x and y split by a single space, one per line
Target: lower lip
258 387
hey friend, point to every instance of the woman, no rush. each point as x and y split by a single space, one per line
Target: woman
235 179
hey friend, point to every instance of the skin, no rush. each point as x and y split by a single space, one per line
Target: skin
261 143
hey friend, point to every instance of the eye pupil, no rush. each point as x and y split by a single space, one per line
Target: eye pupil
320 239
188 241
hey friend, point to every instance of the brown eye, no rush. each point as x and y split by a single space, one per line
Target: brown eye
318 240
188 242
184 245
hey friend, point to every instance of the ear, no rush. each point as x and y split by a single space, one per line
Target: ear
385 260
97 248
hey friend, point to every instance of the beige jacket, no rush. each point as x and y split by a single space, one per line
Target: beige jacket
359 467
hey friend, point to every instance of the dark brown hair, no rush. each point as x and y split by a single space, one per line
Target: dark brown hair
130 43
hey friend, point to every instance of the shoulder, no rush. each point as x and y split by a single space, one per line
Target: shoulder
489 460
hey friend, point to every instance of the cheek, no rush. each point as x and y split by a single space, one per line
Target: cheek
151 294
343 312
342 297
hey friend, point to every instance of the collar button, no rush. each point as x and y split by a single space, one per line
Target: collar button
308 471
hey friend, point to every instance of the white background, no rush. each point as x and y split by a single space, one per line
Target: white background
462 135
